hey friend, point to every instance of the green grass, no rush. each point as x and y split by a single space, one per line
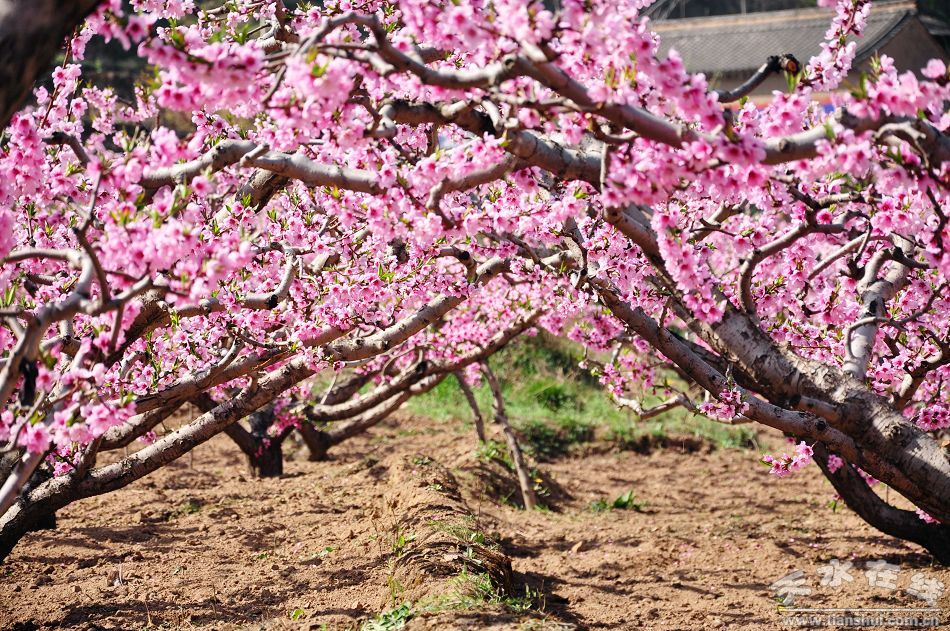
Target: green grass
470 591
465 531
554 404
189 507
390 620
476 590
627 501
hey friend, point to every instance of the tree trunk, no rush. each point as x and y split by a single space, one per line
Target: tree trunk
267 460
27 514
48 520
521 468
317 441
264 453
517 457
44 518
7 462
31 33
473 404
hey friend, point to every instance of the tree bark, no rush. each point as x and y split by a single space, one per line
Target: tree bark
267 460
46 521
472 403
264 453
31 33
316 440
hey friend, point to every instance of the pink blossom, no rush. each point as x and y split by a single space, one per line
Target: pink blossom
786 464
35 438
834 463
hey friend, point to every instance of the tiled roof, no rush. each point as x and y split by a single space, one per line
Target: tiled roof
730 44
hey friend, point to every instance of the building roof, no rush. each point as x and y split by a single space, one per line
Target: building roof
738 44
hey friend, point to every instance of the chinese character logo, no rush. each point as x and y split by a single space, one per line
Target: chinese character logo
835 573
790 587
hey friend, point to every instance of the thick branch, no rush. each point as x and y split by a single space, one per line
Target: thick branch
249 154
859 340
774 64
903 524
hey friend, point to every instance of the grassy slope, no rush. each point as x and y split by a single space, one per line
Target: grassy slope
555 404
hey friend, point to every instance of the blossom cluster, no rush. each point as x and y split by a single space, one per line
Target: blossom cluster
284 181
787 464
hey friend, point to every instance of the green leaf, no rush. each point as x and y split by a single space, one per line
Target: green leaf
318 69
829 131
384 274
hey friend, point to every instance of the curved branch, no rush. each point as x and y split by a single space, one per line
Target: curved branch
859 341
771 249
299 167
372 417
795 423
903 524
62 138
470 180
250 154
643 414
224 154
774 64
394 60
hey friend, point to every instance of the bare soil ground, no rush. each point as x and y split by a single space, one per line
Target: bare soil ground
409 520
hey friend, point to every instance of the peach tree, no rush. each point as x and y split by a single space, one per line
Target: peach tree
395 190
